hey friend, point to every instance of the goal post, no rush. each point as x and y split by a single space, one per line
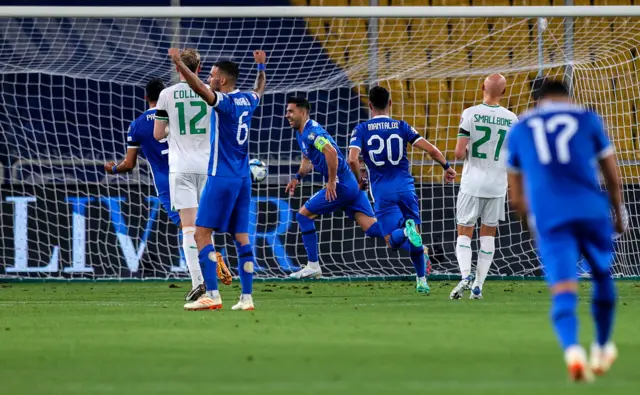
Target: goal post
72 78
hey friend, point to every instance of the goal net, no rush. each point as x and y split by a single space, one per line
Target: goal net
70 86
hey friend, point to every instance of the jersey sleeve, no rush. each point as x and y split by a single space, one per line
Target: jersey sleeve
411 135
132 140
513 152
465 125
224 103
254 99
356 138
318 140
162 113
602 143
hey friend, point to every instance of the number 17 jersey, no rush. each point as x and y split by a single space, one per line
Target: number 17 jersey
484 174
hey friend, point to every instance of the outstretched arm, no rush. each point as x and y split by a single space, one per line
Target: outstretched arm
192 79
128 164
435 154
261 80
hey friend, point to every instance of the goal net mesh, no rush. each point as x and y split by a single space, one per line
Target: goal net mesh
70 87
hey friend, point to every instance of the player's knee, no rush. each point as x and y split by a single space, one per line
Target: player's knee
564 286
303 220
241 239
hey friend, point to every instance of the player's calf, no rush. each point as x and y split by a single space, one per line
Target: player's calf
246 263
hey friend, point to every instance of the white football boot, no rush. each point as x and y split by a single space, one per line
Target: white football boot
476 293
576 359
205 302
245 303
306 272
602 357
464 284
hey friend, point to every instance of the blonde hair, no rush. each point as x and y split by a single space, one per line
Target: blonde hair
191 58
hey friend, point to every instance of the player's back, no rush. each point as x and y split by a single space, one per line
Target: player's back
484 172
231 124
189 128
156 152
383 141
557 146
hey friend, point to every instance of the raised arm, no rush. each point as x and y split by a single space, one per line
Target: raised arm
435 154
261 80
192 79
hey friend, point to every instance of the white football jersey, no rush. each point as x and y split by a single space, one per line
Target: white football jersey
189 118
484 174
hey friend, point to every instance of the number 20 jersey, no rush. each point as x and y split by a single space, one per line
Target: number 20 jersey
484 174
188 117
382 142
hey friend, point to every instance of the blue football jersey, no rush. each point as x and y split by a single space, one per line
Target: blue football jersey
383 141
557 147
307 139
230 126
140 135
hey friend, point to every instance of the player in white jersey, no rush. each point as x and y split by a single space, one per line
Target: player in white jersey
187 116
483 129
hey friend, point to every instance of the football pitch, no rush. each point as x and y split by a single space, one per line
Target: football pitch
303 338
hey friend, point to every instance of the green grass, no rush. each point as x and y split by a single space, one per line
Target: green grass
304 338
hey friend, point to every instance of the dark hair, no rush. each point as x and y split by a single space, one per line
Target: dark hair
300 102
553 88
153 89
379 97
536 84
231 69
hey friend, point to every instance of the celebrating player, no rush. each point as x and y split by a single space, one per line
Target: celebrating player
553 178
224 206
342 191
188 134
382 141
483 188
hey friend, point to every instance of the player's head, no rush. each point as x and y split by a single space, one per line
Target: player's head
223 76
379 99
494 86
191 58
298 109
153 89
553 90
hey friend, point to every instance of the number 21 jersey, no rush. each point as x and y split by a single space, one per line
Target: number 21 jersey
484 174
189 119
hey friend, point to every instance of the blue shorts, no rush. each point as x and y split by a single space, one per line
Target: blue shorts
225 205
350 199
394 209
165 201
560 249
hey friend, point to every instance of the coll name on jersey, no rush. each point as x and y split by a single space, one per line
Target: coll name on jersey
383 125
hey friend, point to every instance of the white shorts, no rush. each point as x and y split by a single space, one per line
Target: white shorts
185 189
470 208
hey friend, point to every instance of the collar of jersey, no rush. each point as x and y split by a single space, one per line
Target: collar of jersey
306 124
485 104
234 91
152 108
381 116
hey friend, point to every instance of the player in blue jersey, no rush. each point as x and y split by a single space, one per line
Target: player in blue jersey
553 157
382 142
225 202
342 191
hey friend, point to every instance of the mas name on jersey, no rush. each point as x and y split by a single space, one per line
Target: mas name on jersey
383 125
492 120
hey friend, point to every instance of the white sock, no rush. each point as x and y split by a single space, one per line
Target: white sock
421 279
485 257
191 255
463 253
314 265
213 294
244 297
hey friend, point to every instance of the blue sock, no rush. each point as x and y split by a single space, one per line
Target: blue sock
209 267
603 307
309 236
398 239
245 267
375 230
417 258
564 318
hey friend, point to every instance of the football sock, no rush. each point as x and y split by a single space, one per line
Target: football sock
309 237
418 260
375 230
191 255
397 239
603 307
463 253
564 318
245 267
485 258
209 266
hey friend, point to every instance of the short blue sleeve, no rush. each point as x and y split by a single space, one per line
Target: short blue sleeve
224 103
254 99
602 144
356 138
513 152
410 134
132 140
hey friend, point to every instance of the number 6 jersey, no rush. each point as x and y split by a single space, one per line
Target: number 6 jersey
484 174
189 128
382 142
